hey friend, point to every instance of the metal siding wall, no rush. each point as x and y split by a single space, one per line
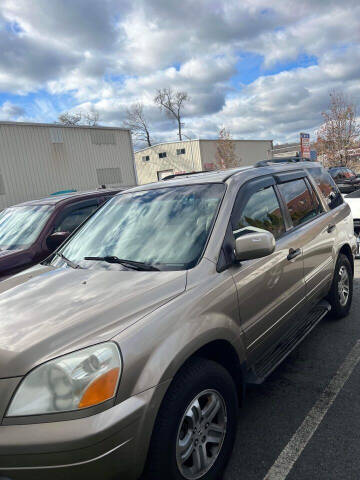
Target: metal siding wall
147 171
32 166
247 151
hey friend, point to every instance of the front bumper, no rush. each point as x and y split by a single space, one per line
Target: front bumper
104 446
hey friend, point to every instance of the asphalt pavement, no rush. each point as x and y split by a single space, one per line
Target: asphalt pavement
303 422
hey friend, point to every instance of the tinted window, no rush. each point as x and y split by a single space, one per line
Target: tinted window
315 199
262 210
327 186
73 218
299 201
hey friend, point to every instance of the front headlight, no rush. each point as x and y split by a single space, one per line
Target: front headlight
72 382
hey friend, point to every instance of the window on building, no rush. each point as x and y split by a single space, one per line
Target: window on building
180 151
299 201
162 155
146 158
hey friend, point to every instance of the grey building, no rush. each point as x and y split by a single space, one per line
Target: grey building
153 163
37 160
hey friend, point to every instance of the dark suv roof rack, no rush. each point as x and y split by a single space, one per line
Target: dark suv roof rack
265 163
175 175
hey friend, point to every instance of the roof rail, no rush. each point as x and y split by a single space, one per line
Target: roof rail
175 175
265 163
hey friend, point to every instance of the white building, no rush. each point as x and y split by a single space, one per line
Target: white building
39 159
158 161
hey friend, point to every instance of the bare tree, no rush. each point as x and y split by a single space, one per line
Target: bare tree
91 118
225 150
172 102
339 133
76 119
70 119
138 123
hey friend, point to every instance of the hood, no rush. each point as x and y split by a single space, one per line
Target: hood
46 312
10 260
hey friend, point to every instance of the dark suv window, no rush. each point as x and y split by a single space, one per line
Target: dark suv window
74 217
327 186
341 172
299 201
262 210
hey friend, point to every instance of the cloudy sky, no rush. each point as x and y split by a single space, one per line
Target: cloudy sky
262 69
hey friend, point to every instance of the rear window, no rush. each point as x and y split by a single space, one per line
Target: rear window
327 186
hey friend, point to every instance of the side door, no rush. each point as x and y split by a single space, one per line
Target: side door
271 290
309 219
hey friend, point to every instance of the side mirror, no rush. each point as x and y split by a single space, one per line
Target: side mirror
54 240
254 245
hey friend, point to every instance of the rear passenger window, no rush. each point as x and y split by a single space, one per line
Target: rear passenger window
262 210
327 186
299 201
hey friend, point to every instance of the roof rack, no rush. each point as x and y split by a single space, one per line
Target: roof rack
175 175
265 163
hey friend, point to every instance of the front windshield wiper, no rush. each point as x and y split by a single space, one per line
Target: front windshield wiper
67 261
126 263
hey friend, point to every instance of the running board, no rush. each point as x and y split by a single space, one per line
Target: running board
291 340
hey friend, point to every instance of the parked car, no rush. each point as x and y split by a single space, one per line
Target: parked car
345 178
129 348
353 199
30 231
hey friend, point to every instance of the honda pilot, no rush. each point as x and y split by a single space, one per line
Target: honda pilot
127 352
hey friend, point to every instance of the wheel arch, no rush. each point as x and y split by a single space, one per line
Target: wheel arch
346 250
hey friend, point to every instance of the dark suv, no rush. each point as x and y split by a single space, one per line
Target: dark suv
30 231
345 178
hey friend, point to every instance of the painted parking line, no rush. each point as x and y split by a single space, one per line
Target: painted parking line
293 450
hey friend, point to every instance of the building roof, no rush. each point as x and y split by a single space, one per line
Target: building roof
198 140
60 125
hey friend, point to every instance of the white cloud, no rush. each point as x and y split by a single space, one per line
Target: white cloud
9 111
107 54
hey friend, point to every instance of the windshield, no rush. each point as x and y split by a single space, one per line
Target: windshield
20 226
166 227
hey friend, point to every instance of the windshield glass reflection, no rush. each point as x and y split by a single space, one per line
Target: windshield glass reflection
166 227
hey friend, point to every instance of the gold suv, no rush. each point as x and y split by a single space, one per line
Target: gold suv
127 351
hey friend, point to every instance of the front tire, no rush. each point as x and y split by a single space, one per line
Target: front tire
340 296
196 425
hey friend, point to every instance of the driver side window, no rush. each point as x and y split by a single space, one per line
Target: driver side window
261 211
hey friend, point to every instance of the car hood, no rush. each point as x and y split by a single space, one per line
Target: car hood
46 312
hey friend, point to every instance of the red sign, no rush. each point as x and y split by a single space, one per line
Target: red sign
305 145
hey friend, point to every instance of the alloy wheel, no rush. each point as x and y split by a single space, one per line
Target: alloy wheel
201 434
343 286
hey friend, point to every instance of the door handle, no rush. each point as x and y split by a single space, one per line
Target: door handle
331 227
293 253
